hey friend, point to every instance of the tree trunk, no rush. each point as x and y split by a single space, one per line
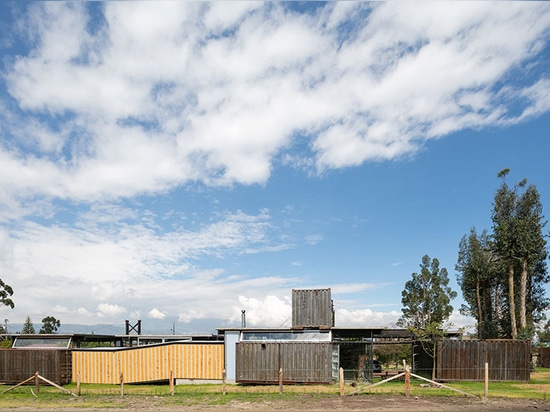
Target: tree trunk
523 296
434 366
480 320
512 302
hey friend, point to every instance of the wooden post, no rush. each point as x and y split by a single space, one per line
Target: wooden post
281 381
121 384
36 382
341 379
224 381
486 380
171 383
78 384
407 382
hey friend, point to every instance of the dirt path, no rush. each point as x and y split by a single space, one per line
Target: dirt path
348 403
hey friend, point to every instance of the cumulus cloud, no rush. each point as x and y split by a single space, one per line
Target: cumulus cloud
156 314
270 311
366 318
155 97
107 310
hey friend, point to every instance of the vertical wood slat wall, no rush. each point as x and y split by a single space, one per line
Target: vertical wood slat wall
201 361
302 362
509 360
17 365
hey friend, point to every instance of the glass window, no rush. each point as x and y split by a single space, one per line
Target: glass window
62 343
286 336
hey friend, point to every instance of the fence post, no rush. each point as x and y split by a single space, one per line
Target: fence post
341 378
281 381
171 383
407 382
37 382
224 381
121 384
78 391
486 380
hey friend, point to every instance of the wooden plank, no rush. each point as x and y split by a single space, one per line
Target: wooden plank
464 360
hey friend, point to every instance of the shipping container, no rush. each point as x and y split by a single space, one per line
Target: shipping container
312 308
301 362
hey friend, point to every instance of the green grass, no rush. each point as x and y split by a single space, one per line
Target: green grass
158 396
538 388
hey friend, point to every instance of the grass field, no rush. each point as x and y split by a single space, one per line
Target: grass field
110 396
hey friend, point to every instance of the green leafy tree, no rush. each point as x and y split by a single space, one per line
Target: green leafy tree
6 292
520 247
427 305
393 354
28 327
532 255
50 325
543 333
505 241
479 283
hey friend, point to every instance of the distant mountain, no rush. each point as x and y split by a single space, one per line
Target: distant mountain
148 327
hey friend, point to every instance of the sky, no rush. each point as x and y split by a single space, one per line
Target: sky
178 162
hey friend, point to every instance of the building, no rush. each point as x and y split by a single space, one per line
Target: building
312 350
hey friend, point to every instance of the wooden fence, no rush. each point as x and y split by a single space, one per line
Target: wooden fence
464 360
301 362
16 365
190 361
543 358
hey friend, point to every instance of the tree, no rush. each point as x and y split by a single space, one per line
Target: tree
28 327
531 249
50 325
427 305
393 354
520 246
505 240
543 334
478 281
5 292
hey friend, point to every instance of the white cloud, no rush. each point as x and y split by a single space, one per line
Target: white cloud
366 318
107 310
314 239
269 311
156 314
160 96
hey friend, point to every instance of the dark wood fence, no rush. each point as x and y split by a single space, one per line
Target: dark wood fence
16 365
301 362
544 358
464 360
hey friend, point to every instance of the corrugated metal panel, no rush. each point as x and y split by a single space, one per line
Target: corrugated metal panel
312 308
509 360
302 362
17 365
150 363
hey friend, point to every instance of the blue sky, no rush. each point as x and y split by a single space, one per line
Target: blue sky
177 162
